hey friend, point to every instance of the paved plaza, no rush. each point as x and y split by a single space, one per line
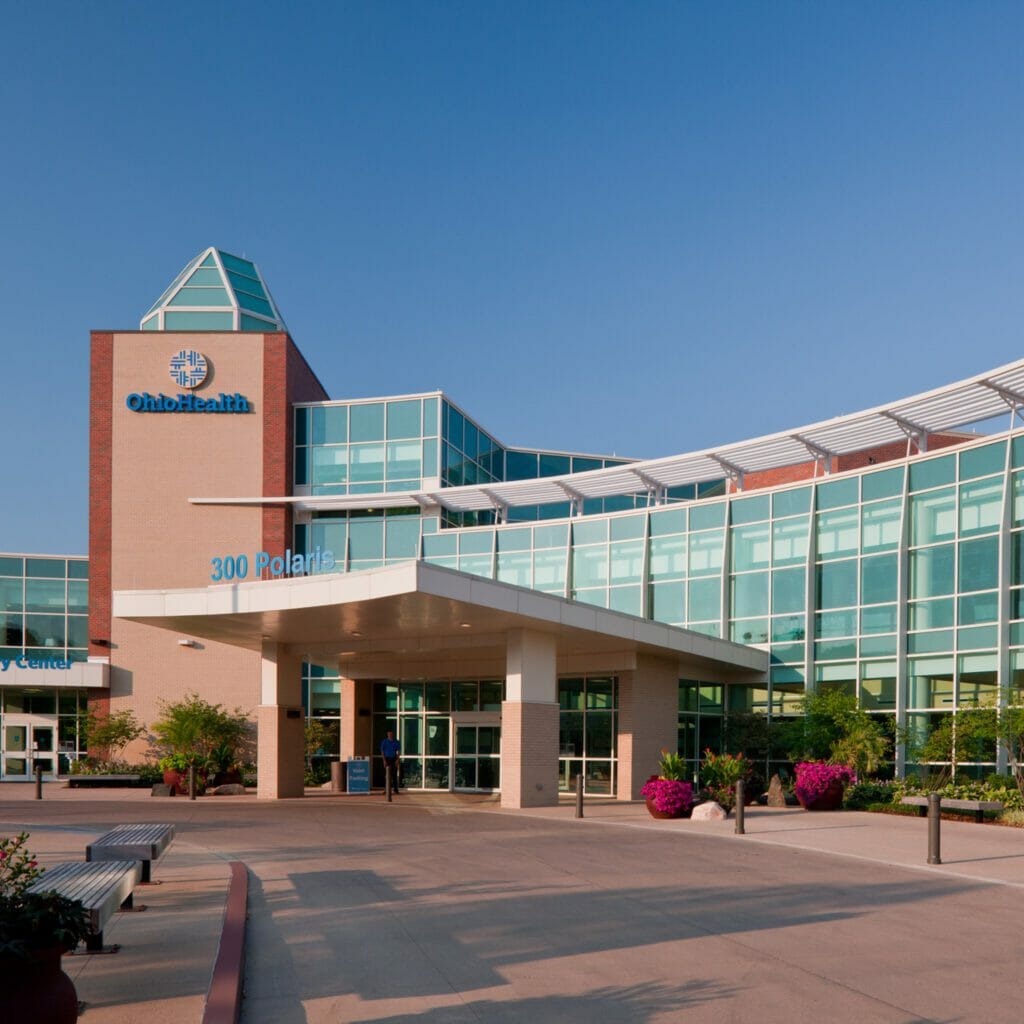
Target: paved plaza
445 909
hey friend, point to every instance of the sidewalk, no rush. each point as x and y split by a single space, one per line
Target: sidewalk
498 916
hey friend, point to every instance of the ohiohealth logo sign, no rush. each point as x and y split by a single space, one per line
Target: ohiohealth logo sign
188 368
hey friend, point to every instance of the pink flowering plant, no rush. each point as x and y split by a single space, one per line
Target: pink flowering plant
669 796
813 779
32 920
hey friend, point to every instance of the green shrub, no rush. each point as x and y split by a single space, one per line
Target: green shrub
864 795
993 788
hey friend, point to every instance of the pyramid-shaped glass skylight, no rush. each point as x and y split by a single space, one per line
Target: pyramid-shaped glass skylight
215 292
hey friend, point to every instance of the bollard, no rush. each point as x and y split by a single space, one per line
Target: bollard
387 782
191 782
740 809
39 781
337 771
934 819
579 795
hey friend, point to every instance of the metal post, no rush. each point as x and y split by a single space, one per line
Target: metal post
740 797
579 795
387 782
39 781
934 811
191 782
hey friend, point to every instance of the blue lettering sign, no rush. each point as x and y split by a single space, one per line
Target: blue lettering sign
21 661
226 568
146 402
359 775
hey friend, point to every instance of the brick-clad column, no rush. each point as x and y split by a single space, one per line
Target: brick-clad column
356 728
648 721
529 722
280 724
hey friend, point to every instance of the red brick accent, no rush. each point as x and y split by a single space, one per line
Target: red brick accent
842 463
101 372
287 378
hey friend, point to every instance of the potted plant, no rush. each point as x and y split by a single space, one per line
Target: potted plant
199 735
819 787
36 929
719 774
668 794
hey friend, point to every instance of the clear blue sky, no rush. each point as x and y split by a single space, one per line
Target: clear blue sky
620 227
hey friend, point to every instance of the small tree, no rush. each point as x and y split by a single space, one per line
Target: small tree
320 737
836 729
202 734
110 732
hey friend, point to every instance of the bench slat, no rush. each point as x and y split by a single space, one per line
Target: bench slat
101 888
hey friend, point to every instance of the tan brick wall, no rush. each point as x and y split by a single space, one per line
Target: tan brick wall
648 717
280 770
529 754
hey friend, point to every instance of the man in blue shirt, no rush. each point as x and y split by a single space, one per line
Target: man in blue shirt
390 749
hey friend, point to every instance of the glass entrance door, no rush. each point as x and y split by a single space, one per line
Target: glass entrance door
24 744
477 758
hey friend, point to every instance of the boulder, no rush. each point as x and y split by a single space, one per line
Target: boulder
709 811
776 794
162 789
229 789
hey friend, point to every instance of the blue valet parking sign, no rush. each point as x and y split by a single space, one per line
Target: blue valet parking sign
359 775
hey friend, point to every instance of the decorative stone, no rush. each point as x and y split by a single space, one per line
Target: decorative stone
776 794
709 811
162 789
229 789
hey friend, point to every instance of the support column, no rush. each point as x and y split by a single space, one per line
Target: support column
648 721
356 726
280 726
529 721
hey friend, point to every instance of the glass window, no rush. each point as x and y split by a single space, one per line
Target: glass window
887 484
932 473
878 579
933 516
931 642
44 595
627 527
837 494
465 697
626 561
668 602
706 552
749 510
50 568
750 595
931 571
931 682
403 419
975 609
592 532
402 537
330 465
703 517
667 557
590 566
879 619
789 541
44 631
930 614
838 533
981 507
837 584
78 569
366 463
749 631
549 570
404 460
834 624
789 590
880 526
791 503
672 521
977 462
751 548
704 598
367 422
979 564
366 540
878 685
330 424
789 628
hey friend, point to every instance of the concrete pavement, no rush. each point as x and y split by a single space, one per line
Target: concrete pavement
446 909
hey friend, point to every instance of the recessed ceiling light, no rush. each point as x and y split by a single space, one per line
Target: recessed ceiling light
465 625
355 632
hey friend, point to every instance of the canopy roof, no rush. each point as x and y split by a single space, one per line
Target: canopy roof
911 419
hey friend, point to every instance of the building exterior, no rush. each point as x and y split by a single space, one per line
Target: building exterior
519 617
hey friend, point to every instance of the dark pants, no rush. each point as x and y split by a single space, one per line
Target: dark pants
392 763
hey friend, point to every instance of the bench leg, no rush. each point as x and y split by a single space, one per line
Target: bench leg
979 816
145 871
94 942
922 812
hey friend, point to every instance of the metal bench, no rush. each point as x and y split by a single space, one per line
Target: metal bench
102 781
145 843
977 807
102 889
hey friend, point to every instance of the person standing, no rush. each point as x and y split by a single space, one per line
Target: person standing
390 749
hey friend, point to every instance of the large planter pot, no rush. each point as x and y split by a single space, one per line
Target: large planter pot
37 989
830 800
655 813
